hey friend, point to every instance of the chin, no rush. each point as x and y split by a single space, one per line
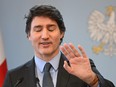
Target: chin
46 52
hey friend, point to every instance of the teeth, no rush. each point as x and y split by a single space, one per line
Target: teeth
45 43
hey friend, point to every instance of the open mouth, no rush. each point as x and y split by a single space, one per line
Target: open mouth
45 44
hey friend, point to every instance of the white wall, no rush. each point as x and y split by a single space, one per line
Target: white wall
18 50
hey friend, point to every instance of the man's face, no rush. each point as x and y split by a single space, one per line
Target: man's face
45 36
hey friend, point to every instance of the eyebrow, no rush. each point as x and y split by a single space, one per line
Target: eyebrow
49 25
36 26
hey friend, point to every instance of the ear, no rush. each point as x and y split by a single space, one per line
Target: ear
28 36
62 34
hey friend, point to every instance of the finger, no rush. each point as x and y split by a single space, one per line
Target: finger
69 50
82 51
75 51
65 52
67 67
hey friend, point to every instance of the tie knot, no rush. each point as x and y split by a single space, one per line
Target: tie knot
47 67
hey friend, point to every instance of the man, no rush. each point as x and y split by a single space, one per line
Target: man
45 30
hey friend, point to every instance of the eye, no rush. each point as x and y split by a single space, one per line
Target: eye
37 28
51 28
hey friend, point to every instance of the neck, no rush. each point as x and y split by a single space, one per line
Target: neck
47 57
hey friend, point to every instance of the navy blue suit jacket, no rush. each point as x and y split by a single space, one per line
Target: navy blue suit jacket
24 76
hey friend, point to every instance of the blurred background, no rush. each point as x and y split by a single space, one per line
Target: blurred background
76 15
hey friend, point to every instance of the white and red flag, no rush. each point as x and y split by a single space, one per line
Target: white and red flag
3 65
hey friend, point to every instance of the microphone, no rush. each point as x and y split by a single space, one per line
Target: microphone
37 82
18 82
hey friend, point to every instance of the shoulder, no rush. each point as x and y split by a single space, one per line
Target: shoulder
22 67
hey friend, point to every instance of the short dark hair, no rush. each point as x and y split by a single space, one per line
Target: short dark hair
47 11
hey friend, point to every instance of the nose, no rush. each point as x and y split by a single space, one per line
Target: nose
45 34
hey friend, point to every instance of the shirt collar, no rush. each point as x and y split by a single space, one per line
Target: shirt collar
54 62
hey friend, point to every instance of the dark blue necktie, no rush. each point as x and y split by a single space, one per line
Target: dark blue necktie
47 79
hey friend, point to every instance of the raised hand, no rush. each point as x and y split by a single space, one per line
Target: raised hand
79 62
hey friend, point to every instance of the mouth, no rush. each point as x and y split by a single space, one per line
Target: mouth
45 44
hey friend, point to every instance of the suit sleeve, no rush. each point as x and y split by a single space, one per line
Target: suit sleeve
7 82
102 81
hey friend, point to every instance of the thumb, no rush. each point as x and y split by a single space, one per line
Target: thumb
67 67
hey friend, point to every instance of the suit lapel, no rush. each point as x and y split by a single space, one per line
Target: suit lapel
64 79
30 74
63 76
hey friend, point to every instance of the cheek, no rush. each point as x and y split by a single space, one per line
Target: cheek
33 39
57 38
